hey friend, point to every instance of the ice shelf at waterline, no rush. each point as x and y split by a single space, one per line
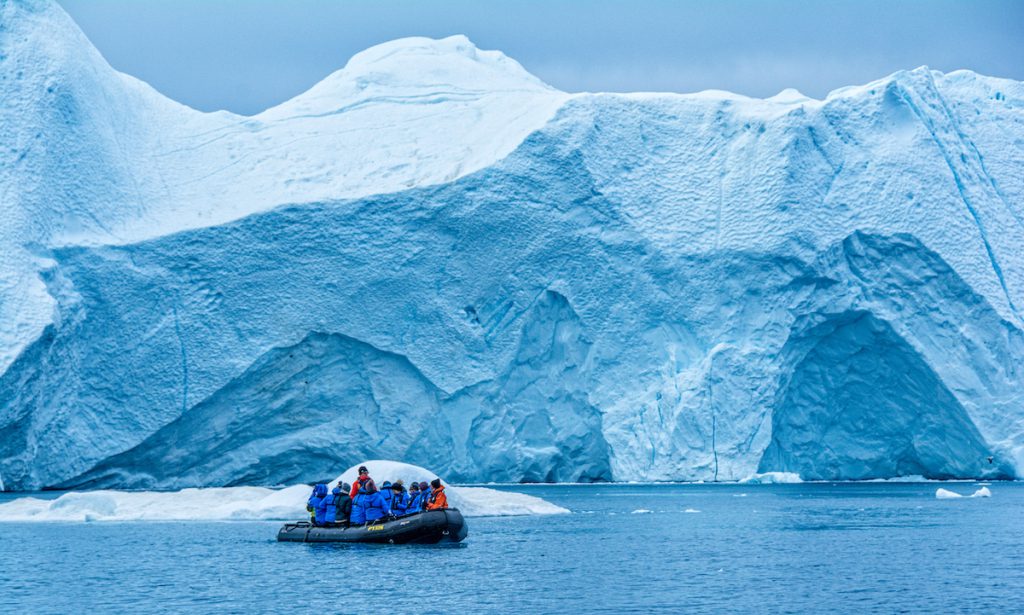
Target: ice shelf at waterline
433 256
248 503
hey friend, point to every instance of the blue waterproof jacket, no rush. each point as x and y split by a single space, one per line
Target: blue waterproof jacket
385 492
319 493
330 504
399 502
413 503
368 507
358 516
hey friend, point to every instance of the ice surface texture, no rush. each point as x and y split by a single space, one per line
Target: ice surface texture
239 503
432 256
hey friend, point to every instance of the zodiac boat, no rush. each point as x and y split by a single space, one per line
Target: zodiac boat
428 527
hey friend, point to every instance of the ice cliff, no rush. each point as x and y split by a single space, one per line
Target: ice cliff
432 256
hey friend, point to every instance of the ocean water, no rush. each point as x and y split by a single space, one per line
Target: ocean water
845 548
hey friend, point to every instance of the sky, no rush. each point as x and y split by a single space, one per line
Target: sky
246 56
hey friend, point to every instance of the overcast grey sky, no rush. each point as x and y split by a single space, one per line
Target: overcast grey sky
248 55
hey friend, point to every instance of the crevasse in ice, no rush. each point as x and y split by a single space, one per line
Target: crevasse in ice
432 256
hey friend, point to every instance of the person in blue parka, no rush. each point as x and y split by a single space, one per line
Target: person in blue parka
334 505
368 506
424 494
413 504
313 504
399 499
385 492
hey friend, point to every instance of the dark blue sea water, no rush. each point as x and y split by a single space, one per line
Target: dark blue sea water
847 548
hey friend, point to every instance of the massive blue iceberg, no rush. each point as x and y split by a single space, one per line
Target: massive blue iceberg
432 256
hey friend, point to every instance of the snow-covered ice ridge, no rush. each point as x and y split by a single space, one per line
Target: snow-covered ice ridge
248 503
432 256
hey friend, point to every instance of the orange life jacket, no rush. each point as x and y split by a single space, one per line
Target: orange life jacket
356 486
438 499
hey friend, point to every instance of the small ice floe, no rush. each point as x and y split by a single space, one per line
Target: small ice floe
945 494
642 511
691 510
769 478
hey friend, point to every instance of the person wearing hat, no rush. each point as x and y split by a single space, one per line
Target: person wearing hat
424 494
399 499
413 505
438 499
364 475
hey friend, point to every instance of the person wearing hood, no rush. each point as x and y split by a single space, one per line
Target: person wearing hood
424 495
438 499
316 516
368 506
364 475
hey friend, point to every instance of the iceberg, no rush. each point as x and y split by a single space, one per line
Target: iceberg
433 256
772 478
249 503
945 494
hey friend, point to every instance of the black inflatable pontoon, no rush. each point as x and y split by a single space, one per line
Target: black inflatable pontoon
428 527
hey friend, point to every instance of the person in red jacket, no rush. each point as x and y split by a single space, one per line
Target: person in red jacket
357 484
438 499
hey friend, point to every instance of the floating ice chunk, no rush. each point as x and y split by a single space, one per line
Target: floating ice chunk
223 503
945 494
642 511
484 502
768 478
691 510
249 503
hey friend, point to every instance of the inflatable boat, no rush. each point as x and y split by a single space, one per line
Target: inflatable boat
427 527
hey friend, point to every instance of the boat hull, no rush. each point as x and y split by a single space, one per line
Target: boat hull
429 527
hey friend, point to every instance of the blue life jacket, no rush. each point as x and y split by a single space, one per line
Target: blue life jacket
399 501
385 492
413 503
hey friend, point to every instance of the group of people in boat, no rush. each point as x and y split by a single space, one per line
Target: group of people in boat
362 502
